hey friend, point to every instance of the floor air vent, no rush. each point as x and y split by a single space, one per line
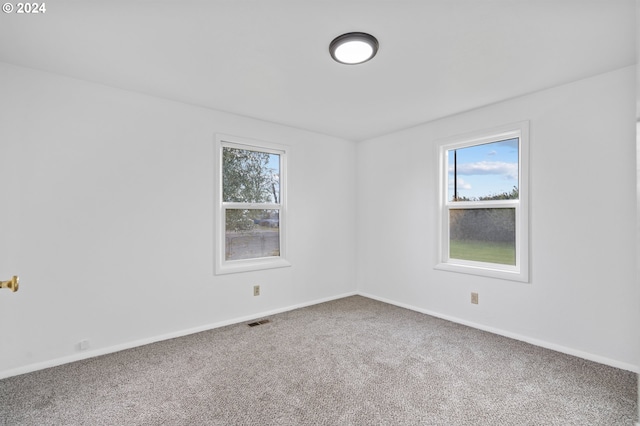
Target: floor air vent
253 324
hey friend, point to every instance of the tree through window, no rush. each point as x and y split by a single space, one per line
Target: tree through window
251 205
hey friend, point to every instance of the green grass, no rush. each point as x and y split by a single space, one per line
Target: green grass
483 251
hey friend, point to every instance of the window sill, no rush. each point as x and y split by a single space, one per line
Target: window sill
236 266
484 270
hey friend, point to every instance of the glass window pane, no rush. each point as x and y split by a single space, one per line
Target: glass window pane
483 235
252 233
250 176
484 172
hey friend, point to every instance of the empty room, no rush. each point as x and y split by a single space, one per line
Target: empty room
319 212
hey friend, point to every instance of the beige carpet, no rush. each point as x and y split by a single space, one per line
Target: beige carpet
353 361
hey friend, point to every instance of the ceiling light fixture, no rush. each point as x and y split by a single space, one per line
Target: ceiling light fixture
353 48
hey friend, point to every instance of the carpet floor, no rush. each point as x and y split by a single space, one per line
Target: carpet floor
353 361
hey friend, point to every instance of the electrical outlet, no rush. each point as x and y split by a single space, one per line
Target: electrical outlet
83 345
256 290
474 298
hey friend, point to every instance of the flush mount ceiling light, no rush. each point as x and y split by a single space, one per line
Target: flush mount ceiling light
353 48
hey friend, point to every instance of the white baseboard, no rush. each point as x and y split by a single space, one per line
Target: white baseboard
555 347
141 342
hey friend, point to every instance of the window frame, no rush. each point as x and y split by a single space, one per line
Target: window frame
519 271
222 265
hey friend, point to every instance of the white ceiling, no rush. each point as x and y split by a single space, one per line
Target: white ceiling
269 59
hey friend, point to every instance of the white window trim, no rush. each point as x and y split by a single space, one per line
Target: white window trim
223 266
519 272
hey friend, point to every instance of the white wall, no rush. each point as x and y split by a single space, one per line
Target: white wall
583 294
111 228
108 207
638 221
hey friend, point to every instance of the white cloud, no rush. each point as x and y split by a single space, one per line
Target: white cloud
508 170
463 185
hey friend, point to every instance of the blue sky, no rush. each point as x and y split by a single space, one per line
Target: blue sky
274 162
486 169
274 166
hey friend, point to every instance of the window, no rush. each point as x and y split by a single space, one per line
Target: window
251 205
483 203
